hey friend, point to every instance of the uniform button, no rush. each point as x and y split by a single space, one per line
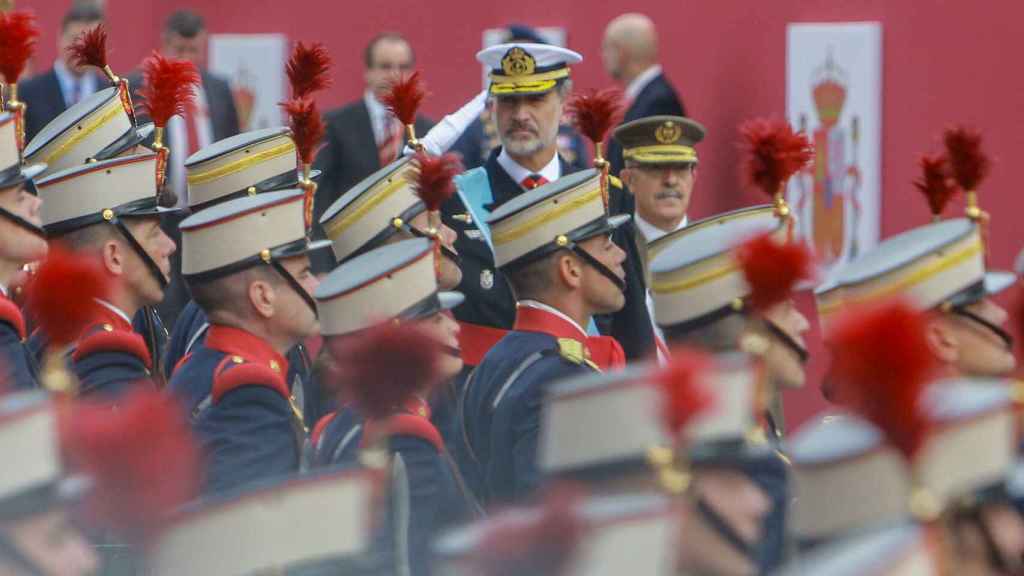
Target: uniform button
237 359
108 327
275 366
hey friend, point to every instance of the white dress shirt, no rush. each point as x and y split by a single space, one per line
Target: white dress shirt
177 135
380 118
652 232
542 306
114 309
87 83
552 171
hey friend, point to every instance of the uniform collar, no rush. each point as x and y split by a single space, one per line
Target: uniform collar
640 82
534 316
248 346
113 315
652 232
552 171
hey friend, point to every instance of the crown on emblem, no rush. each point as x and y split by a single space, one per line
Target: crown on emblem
518 62
829 92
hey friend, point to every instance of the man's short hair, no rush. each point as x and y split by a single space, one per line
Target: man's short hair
722 335
231 293
534 279
184 23
81 13
88 238
384 36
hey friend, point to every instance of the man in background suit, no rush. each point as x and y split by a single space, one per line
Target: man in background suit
630 54
53 91
363 136
212 118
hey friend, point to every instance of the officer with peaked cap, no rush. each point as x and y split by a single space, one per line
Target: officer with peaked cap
109 210
248 164
231 534
247 267
554 246
530 84
37 534
705 296
600 430
22 240
395 283
940 267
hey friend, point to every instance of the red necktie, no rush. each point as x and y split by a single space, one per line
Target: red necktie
387 150
192 129
533 180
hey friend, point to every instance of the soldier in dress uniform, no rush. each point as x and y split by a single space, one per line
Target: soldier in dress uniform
109 210
398 284
554 246
267 529
530 84
724 508
248 164
705 295
247 267
938 267
22 241
37 534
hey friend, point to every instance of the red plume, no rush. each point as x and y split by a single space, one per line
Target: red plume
90 48
307 127
595 112
544 544
936 185
434 182
772 269
775 153
18 34
141 457
62 314
381 367
683 392
970 164
168 87
881 364
308 69
404 98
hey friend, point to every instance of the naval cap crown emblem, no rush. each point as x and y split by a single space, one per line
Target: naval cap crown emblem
518 62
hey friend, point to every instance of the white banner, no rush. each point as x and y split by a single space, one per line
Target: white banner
254 64
834 93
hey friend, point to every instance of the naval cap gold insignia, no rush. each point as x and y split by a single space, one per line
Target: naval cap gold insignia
518 62
668 133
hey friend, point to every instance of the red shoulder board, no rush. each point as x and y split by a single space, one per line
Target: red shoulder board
404 425
11 314
105 338
321 425
234 372
181 363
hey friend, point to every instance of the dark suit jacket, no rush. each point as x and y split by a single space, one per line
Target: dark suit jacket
349 155
656 99
224 119
45 101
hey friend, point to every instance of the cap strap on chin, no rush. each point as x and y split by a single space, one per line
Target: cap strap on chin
1002 334
293 283
787 340
597 265
22 223
150 264
723 529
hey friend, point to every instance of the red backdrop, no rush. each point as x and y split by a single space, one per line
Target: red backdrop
944 62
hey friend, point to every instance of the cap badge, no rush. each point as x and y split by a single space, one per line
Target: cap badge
518 62
668 133
486 279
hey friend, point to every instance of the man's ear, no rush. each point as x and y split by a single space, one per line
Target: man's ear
113 257
943 341
627 175
570 271
262 298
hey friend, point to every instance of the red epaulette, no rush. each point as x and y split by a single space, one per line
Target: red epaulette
11 314
319 427
234 372
404 425
105 338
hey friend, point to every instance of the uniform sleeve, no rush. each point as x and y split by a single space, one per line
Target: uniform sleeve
526 422
16 363
424 470
248 436
185 327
